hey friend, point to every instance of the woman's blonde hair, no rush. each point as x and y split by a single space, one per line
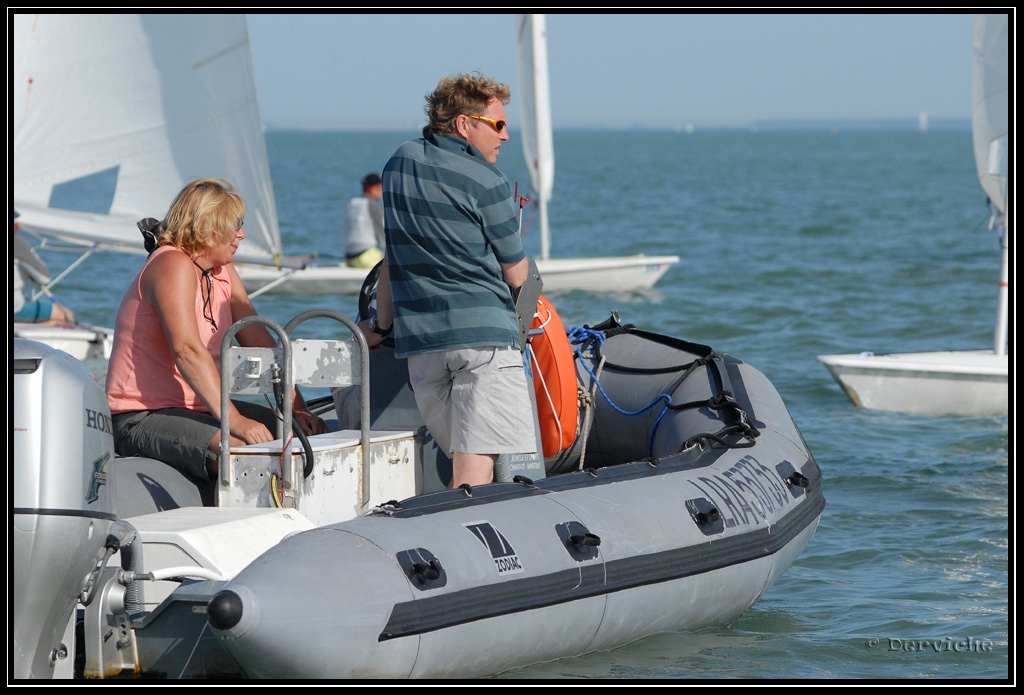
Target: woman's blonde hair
205 213
461 94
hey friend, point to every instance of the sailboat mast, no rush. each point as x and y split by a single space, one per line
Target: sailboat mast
535 101
545 146
545 234
1002 308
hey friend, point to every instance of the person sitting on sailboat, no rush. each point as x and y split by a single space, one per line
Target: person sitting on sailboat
163 380
28 269
48 312
364 226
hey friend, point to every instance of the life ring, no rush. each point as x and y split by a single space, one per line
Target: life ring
554 380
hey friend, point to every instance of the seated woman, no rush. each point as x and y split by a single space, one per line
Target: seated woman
163 380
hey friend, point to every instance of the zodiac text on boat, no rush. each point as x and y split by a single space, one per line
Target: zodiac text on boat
745 493
506 561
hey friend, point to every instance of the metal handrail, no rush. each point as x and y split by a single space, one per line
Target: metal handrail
364 387
226 470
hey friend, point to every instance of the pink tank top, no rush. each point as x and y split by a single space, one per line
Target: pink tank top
142 374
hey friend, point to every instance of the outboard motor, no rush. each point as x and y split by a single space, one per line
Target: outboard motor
63 447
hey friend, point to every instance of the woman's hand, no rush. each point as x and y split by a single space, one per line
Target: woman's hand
250 431
310 423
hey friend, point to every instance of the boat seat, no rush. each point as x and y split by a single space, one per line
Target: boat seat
139 485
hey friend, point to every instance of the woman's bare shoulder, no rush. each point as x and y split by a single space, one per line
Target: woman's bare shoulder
168 271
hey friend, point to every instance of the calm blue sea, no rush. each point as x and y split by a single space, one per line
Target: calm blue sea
793 244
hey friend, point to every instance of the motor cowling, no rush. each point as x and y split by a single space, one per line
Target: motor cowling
62 450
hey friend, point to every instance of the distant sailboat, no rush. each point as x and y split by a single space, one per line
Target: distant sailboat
596 274
965 382
922 122
609 273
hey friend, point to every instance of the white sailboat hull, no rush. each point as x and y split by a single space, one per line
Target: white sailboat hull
969 383
966 383
598 274
311 280
604 274
80 341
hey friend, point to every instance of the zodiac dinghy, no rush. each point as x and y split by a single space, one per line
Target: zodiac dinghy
670 496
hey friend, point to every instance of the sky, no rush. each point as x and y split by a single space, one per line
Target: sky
371 71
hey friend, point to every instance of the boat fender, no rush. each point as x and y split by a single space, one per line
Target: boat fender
554 380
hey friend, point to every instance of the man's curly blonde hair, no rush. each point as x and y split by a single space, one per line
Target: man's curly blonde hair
461 94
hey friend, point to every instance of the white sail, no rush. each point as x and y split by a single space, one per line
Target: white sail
990 115
597 274
113 114
990 105
535 109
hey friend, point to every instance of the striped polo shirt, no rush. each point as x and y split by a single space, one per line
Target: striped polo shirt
449 221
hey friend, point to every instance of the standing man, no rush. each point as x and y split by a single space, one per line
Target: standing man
454 255
364 226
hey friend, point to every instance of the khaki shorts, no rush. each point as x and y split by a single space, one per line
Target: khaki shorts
178 436
475 400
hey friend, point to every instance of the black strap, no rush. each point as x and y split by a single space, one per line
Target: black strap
208 301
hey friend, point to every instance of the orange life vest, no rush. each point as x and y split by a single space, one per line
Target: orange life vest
554 380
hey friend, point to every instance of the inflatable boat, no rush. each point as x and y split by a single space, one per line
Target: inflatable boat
668 490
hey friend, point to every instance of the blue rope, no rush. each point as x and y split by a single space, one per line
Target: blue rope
581 336
578 336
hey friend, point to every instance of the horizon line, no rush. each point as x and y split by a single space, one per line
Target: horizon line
953 123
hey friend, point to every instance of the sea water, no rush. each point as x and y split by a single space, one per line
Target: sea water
793 244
